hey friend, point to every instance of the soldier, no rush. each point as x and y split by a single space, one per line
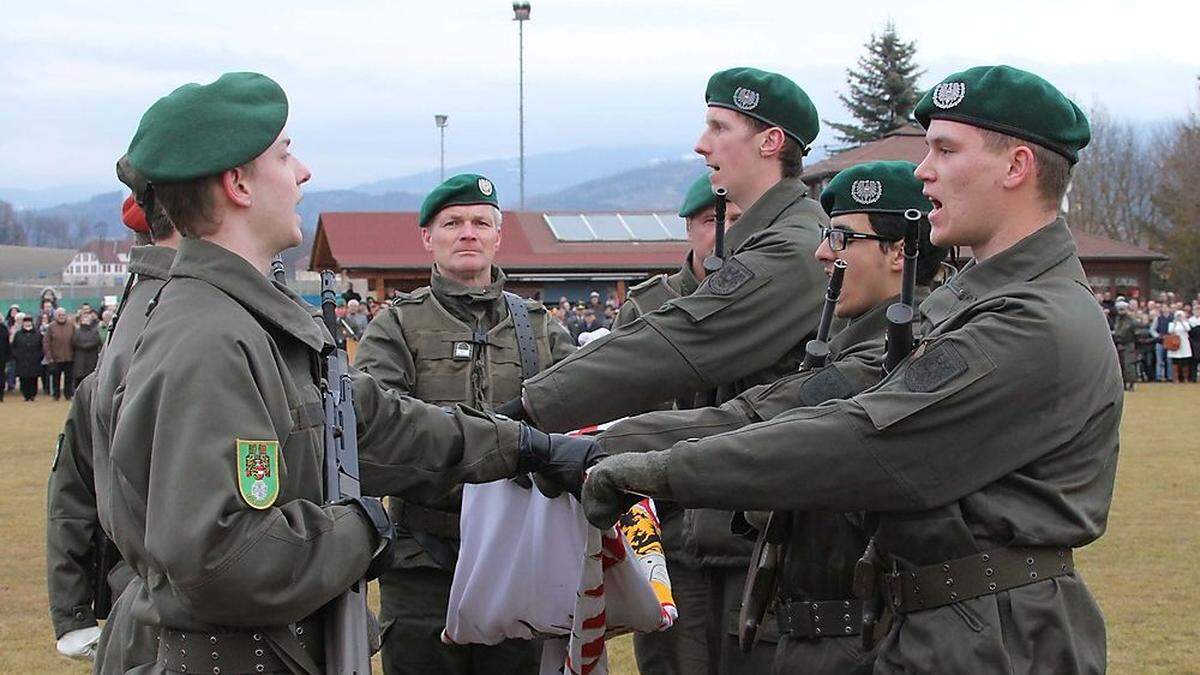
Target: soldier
758 127
681 649
744 325
699 213
867 225
990 452
234 570
461 339
1124 332
79 557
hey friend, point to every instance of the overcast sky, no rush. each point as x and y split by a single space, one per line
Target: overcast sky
365 78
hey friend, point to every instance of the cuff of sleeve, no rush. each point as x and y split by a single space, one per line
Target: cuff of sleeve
78 617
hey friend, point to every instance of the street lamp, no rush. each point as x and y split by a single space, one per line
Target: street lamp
440 121
521 15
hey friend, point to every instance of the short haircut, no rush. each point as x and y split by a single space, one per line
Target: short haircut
791 157
1053 170
929 257
189 204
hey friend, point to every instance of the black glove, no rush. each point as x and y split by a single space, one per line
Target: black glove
385 551
513 410
561 460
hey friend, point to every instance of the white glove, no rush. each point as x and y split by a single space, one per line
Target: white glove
79 644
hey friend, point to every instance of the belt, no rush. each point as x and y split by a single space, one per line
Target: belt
233 653
821 619
421 519
974 576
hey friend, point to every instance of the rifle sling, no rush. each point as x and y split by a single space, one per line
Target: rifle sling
526 342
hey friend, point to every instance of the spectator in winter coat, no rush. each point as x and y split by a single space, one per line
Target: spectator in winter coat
27 352
60 354
86 343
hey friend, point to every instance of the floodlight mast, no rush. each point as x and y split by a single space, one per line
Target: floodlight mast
440 121
521 15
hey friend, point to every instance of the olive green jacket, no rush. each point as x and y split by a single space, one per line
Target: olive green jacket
1001 429
656 291
228 355
410 348
744 325
72 526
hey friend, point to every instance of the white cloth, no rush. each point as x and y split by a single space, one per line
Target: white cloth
79 644
532 567
1180 327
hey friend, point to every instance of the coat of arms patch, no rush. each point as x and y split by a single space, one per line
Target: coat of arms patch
866 191
949 94
258 472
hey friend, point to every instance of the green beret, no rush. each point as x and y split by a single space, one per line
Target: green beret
1012 102
203 129
699 196
131 178
463 189
875 187
767 97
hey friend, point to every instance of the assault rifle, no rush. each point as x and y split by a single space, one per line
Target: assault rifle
900 317
714 262
763 577
347 648
277 270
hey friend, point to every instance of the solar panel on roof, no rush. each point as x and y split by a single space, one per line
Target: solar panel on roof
608 226
645 226
569 227
674 224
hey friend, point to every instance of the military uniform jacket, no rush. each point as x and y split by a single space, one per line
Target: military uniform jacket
656 291
1001 429
744 325
229 359
425 346
71 523
857 364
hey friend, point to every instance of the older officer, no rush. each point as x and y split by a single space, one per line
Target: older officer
867 204
988 454
461 339
214 482
699 213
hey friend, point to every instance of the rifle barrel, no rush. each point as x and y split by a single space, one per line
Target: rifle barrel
713 262
816 351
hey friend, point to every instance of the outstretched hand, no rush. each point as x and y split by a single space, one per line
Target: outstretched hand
618 482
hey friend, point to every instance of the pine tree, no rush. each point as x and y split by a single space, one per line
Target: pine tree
883 91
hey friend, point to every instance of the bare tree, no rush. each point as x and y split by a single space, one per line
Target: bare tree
1112 192
1177 199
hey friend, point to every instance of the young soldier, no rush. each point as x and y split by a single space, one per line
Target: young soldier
699 213
214 491
75 544
462 339
681 649
988 454
867 205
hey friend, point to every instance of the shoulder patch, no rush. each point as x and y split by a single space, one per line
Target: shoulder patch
732 275
258 472
933 369
825 385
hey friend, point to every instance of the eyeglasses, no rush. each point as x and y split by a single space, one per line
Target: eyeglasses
838 238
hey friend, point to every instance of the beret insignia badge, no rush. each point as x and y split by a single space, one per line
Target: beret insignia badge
949 94
745 99
485 187
866 191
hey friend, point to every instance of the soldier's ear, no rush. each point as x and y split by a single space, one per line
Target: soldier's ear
425 239
895 254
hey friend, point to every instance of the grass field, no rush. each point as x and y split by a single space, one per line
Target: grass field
1143 572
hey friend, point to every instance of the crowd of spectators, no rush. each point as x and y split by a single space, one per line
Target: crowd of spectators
1165 338
52 348
586 321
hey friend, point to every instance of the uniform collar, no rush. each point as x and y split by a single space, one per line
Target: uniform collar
220 267
151 261
688 283
765 211
1025 260
447 289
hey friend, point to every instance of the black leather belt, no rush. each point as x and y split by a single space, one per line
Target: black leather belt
974 576
233 653
415 518
820 619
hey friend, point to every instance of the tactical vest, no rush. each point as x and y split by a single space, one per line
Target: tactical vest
445 350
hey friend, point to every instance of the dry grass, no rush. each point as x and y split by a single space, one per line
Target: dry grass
1143 571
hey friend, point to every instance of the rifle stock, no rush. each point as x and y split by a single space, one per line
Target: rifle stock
347 645
762 580
900 316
